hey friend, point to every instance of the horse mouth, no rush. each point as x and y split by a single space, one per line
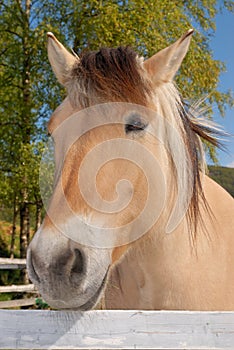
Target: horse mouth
95 298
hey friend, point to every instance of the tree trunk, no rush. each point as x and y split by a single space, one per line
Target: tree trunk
13 232
24 219
26 117
38 215
24 236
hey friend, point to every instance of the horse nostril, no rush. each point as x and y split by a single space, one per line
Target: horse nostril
31 269
78 264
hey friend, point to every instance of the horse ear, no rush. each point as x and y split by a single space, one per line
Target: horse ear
165 63
60 59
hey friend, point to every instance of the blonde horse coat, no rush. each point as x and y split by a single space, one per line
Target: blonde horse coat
190 268
169 274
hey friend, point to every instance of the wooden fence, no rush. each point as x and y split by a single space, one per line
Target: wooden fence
14 264
35 329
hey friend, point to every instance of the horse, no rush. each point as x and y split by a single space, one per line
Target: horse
126 130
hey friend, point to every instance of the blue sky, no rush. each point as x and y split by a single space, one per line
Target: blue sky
222 45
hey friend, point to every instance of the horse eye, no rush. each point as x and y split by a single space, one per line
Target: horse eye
135 124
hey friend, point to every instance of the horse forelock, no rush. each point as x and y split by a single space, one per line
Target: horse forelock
110 74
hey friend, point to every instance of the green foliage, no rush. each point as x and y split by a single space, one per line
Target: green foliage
149 26
223 176
3 248
25 104
41 304
5 239
9 277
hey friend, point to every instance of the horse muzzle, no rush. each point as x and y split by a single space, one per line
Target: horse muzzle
67 275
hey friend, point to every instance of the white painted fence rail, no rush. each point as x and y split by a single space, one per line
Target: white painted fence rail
116 330
12 264
16 303
18 288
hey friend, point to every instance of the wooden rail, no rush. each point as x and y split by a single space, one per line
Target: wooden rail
17 303
116 330
12 264
17 288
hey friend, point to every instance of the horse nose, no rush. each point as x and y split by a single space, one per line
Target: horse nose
78 265
30 268
68 265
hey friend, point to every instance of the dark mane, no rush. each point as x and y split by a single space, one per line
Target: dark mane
108 75
195 133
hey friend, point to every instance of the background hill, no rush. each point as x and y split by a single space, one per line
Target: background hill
224 176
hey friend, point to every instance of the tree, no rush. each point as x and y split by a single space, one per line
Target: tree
149 26
29 91
22 113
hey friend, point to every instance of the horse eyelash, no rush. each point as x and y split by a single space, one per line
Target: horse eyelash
135 124
134 128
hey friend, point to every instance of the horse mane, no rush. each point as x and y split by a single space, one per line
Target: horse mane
194 129
198 130
117 75
114 75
